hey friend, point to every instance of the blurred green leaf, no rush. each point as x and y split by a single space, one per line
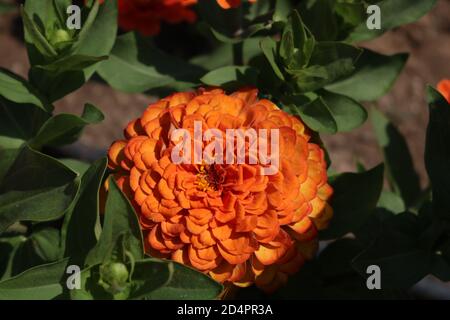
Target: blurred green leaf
440 268
137 65
81 223
373 77
7 7
282 10
43 282
398 160
66 128
392 202
231 76
394 13
32 180
120 221
245 34
222 55
15 89
437 151
353 12
355 197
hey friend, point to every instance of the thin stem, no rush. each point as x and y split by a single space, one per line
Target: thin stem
238 54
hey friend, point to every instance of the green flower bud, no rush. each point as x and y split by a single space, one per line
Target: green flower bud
59 36
113 277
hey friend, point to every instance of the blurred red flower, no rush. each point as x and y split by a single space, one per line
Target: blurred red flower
444 88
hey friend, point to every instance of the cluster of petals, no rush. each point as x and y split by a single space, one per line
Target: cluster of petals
227 220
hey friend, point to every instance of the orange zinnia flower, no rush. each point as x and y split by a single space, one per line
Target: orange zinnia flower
444 88
229 220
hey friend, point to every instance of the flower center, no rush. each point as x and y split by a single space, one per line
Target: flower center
210 177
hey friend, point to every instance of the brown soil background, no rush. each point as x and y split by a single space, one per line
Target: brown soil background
427 41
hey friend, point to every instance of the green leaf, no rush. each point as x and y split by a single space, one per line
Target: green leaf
120 220
399 164
42 246
148 276
97 38
414 265
186 284
247 33
330 61
87 25
316 114
282 10
397 252
331 276
392 202
231 76
353 13
75 165
44 282
440 268
347 113
18 124
33 180
36 39
355 197
374 75
71 63
46 243
137 65
8 249
66 128
63 76
320 19
269 48
394 13
81 223
15 89
223 55
297 43
437 151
